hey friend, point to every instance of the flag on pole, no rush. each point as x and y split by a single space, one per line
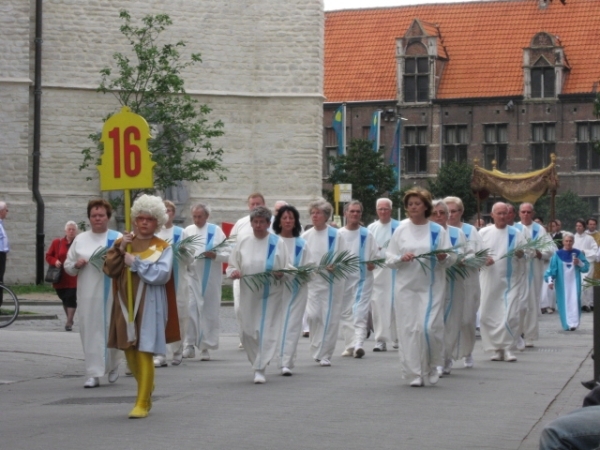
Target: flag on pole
339 125
374 131
395 155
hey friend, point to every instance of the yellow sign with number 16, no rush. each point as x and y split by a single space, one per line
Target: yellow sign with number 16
126 161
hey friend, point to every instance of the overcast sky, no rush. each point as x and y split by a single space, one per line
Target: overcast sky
350 4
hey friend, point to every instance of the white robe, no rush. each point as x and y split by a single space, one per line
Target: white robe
260 310
383 296
501 289
467 337
294 303
535 280
94 302
455 296
588 246
240 229
204 279
173 235
324 306
420 296
358 288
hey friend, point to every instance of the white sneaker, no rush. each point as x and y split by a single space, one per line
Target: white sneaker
359 353
508 356
177 357
528 343
380 347
440 371
417 382
259 377
469 362
241 346
160 361
396 345
348 352
92 382
113 375
286 372
447 367
325 363
434 377
204 355
498 355
520 344
189 352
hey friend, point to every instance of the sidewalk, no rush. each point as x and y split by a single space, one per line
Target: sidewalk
355 404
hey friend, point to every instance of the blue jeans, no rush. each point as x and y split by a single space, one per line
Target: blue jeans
578 430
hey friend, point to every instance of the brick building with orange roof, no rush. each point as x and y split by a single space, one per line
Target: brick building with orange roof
508 81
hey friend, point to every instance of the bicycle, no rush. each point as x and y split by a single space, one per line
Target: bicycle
10 306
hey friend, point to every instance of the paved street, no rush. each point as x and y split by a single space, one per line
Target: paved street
355 404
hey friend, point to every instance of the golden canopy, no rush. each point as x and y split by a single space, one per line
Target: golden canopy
522 187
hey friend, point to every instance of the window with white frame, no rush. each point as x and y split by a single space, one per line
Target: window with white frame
415 149
588 136
455 143
495 145
543 140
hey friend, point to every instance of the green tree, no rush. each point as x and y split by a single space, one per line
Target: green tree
455 179
149 82
569 207
371 177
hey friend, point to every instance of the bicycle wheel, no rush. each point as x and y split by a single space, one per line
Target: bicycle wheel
10 307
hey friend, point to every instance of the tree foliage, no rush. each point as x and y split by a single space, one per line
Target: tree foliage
148 80
368 172
454 179
569 207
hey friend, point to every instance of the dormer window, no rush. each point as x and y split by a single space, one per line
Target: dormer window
544 66
420 56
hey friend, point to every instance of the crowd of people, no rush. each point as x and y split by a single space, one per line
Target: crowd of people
424 285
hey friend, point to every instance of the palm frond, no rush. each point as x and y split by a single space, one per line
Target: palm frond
424 258
466 262
337 265
377 262
98 257
224 243
541 244
292 277
590 282
186 247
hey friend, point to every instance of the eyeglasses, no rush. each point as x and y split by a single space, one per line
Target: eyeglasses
454 211
439 213
527 212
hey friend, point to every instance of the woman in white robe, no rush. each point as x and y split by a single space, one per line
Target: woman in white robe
205 276
420 291
467 336
324 306
260 309
287 226
588 246
564 275
94 295
455 289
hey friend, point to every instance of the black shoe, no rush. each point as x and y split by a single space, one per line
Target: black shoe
591 384
586 309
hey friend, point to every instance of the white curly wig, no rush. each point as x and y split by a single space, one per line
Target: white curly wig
152 205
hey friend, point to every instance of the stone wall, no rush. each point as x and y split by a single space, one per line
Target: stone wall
261 73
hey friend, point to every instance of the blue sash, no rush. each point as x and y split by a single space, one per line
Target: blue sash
210 240
454 234
467 229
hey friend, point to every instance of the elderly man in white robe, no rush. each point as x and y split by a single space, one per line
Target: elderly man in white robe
174 234
501 285
94 295
359 284
204 278
260 311
383 296
538 262
324 304
467 336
